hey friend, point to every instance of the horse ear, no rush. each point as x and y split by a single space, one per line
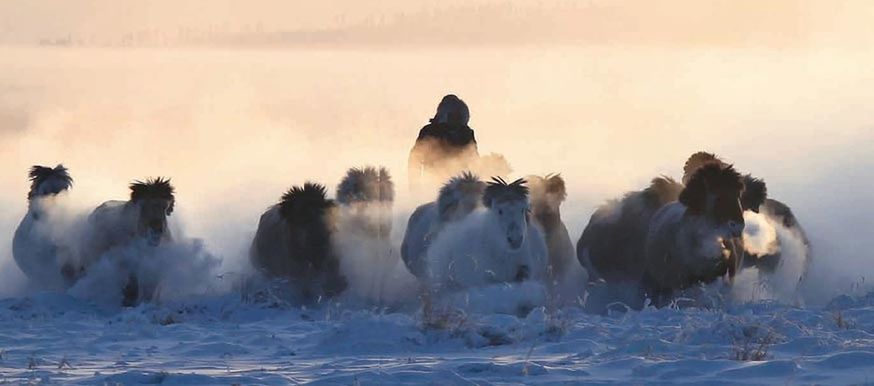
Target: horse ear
694 196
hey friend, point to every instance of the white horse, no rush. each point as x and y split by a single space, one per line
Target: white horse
460 196
116 224
492 245
35 250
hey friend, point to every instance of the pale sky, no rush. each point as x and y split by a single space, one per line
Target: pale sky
680 22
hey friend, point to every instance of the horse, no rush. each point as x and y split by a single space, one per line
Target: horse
34 248
613 243
492 245
294 242
458 197
141 220
755 190
365 197
492 164
612 247
566 275
693 240
766 213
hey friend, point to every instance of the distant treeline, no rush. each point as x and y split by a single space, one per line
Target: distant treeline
502 23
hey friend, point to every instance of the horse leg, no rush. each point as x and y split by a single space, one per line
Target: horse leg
71 274
130 292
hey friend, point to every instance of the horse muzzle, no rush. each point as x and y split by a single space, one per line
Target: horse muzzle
515 242
154 234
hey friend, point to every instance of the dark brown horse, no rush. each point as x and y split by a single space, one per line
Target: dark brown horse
294 242
755 198
694 239
613 245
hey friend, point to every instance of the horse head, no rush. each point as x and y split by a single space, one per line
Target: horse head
508 204
154 200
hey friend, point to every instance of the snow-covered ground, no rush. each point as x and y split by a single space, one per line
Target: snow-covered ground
58 339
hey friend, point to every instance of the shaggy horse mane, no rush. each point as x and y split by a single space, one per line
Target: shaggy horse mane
661 190
311 196
39 174
710 177
366 184
755 193
548 184
453 190
499 190
153 188
696 161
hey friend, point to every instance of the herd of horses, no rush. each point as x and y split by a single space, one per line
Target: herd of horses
642 248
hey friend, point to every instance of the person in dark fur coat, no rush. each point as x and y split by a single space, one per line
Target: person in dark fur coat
444 147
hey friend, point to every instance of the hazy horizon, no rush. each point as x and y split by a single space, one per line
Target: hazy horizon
680 23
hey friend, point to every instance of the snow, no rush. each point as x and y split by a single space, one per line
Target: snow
56 338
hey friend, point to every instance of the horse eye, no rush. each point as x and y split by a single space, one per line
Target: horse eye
500 211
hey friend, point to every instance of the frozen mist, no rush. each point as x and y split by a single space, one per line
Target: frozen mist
234 129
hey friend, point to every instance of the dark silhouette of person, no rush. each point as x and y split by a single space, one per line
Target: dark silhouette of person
445 147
